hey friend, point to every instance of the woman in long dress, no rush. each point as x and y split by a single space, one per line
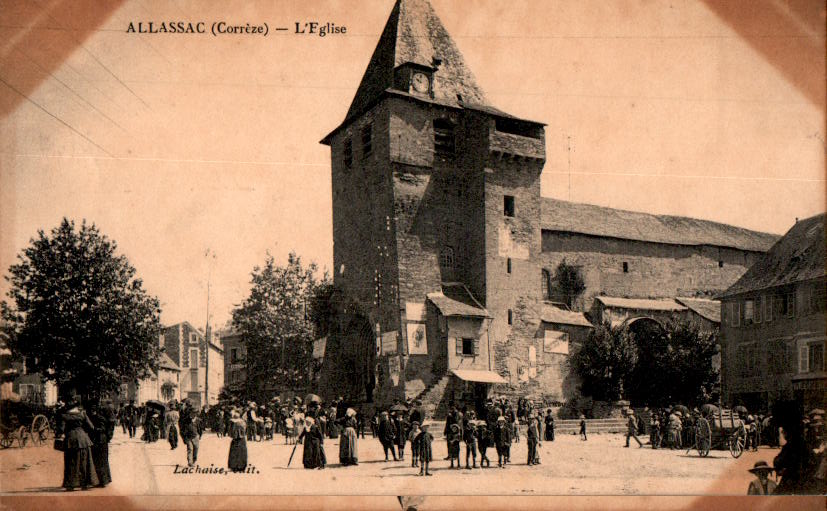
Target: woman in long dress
348 453
78 465
313 455
237 460
103 418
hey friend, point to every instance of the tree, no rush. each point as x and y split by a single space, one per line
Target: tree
78 315
568 282
275 324
605 362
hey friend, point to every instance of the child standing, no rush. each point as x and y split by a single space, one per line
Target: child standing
583 428
414 447
484 442
423 445
502 439
469 434
453 444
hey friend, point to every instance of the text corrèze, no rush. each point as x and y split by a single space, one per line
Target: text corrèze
220 28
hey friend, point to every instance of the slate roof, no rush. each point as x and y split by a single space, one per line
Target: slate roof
796 257
658 304
414 34
709 309
456 300
559 215
164 362
552 314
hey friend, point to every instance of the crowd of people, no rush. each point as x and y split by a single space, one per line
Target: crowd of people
84 433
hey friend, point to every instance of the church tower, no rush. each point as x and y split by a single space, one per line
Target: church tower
436 225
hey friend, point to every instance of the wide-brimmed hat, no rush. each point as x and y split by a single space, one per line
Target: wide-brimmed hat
415 424
761 466
500 419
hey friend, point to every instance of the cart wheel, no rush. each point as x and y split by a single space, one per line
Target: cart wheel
6 440
40 430
22 436
736 445
703 437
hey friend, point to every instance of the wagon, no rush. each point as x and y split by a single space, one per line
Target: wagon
22 422
721 430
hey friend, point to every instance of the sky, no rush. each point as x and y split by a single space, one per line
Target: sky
175 145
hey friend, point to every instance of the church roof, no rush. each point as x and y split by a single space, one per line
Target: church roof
564 216
414 35
552 314
798 256
652 304
708 309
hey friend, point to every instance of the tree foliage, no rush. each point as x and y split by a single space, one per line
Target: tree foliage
568 282
275 323
77 313
605 362
650 364
675 365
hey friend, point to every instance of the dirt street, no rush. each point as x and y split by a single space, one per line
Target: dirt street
600 465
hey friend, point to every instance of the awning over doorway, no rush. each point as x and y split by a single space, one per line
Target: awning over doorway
478 376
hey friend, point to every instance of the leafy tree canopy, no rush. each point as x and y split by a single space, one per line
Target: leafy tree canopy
568 282
77 313
276 324
605 362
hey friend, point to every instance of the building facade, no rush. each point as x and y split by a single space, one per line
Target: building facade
188 349
444 246
773 324
235 356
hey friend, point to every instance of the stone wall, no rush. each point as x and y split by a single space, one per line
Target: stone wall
655 270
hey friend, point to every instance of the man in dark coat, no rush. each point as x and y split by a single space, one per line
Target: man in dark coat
533 439
416 412
103 418
387 435
130 417
188 425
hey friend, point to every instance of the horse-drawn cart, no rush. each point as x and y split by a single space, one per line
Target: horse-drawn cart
719 430
21 422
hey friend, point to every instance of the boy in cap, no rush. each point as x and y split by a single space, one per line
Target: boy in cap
761 485
453 439
484 442
502 439
469 435
414 447
423 446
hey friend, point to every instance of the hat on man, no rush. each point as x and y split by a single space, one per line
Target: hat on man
761 466
500 419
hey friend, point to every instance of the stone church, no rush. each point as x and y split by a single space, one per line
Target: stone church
443 244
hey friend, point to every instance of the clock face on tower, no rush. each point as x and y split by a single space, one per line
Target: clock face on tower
420 82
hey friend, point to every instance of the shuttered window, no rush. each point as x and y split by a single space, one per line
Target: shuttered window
803 359
467 347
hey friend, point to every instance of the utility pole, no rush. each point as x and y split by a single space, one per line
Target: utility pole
207 333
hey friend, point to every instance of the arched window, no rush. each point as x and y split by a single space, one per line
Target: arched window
545 284
446 258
